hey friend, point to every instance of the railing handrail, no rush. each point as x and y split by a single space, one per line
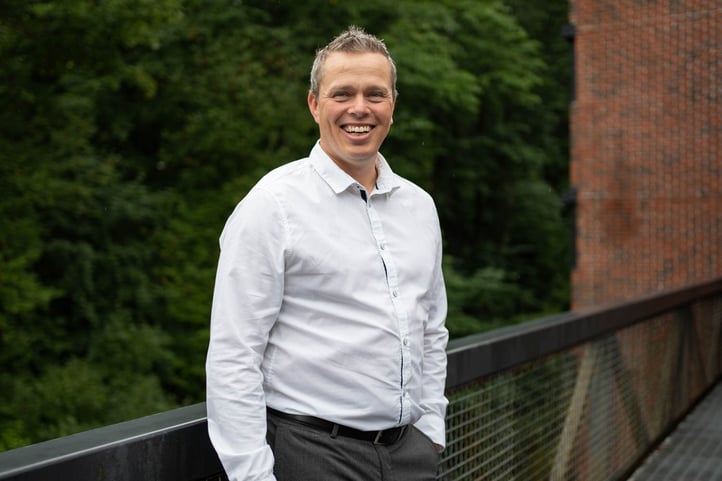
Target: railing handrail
487 353
181 434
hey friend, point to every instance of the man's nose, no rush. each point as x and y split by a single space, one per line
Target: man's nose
359 105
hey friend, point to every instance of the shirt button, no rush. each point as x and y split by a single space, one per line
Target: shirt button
382 246
406 341
395 293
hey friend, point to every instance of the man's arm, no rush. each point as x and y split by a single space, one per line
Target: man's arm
246 300
436 337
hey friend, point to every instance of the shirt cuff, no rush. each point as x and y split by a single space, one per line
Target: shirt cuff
433 427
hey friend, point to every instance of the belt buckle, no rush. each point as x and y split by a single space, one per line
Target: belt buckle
377 439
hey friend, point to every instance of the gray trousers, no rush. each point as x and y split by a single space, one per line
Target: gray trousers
305 453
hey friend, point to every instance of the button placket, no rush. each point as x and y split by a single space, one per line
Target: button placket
396 300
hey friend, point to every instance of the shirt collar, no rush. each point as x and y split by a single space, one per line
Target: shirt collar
339 180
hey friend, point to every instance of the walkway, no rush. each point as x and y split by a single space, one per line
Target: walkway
693 451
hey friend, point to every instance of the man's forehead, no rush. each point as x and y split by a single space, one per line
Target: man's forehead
353 67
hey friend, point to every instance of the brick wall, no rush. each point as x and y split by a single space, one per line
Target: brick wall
646 156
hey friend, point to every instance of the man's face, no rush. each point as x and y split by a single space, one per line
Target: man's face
354 109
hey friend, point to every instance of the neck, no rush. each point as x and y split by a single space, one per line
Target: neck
367 179
364 173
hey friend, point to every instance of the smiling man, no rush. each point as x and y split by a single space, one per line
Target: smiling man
327 352
354 109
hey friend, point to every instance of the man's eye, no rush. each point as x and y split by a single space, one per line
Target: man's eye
340 95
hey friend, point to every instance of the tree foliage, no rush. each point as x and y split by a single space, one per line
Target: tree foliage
130 128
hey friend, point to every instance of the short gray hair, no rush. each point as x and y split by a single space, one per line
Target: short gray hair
353 40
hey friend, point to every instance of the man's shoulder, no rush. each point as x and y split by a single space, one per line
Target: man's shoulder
277 188
401 185
277 184
289 173
410 188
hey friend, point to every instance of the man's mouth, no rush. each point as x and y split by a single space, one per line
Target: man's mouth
357 129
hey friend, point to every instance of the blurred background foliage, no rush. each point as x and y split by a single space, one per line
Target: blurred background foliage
130 128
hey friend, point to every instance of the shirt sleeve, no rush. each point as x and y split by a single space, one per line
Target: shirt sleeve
436 337
246 300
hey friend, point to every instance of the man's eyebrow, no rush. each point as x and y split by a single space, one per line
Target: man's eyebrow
352 87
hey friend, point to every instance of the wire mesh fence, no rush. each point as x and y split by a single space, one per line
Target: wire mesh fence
590 412
577 396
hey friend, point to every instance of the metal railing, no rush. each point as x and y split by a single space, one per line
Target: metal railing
583 395
576 396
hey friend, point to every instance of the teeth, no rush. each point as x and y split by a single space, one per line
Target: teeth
357 128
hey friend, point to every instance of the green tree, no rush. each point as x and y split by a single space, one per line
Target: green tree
76 260
130 129
468 128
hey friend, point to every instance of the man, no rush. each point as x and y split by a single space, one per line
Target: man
327 352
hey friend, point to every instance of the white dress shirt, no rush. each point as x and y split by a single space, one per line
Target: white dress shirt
329 302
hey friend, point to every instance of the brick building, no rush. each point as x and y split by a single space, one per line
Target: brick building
646 156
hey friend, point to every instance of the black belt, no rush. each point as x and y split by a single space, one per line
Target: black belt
383 437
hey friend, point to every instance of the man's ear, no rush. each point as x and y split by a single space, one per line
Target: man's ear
313 106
